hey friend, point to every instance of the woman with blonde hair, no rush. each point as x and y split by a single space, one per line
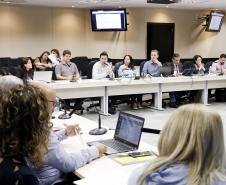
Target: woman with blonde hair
191 151
24 134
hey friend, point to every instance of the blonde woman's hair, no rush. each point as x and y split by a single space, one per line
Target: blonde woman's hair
193 134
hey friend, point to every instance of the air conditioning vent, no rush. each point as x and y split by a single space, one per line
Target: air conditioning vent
12 1
163 1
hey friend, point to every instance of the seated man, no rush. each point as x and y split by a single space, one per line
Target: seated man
152 66
66 70
219 66
59 162
176 70
102 69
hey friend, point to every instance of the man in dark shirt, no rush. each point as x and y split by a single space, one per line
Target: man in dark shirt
176 70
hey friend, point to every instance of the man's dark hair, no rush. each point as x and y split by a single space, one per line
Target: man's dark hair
66 52
175 55
104 53
223 55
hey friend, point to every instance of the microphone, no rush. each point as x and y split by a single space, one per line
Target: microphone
64 115
100 130
73 79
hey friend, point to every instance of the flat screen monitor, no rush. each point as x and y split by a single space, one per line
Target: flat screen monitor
108 20
215 21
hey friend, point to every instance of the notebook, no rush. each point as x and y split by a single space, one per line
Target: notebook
127 134
45 76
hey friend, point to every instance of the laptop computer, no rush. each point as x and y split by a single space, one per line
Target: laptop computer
165 71
45 76
127 134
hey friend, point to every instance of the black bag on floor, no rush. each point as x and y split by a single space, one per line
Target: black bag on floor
220 95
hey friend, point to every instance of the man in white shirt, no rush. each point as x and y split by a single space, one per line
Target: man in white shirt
102 69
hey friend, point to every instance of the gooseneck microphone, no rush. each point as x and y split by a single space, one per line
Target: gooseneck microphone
64 115
100 130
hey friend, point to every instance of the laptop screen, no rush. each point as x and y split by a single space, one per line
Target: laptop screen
129 129
45 76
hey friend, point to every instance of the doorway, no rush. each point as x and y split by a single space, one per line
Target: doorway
160 36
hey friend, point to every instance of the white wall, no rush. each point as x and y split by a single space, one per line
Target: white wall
27 31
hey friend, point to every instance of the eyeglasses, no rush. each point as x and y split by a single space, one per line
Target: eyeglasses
53 102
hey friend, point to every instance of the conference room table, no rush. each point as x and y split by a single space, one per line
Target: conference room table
124 86
104 170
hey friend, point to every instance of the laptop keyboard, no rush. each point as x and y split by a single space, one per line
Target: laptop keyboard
116 145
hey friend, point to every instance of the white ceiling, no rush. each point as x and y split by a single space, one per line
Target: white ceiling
186 4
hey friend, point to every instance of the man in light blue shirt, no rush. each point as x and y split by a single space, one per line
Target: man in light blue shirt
59 162
152 66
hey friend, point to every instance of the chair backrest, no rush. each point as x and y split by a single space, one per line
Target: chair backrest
14 62
4 61
4 71
90 69
116 68
54 74
188 65
141 67
81 62
208 65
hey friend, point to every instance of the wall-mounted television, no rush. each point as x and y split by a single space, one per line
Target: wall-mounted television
215 21
108 19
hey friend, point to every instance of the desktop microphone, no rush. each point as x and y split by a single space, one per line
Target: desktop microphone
73 79
64 115
100 130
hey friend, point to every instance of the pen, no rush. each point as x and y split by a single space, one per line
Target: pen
80 137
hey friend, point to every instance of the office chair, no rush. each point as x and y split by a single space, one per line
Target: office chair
188 65
89 76
77 102
208 66
81 62
111 109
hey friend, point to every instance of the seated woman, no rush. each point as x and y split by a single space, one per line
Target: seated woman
191 150
127 70
43 63
197 59
27 69
55 57
195 95
24 134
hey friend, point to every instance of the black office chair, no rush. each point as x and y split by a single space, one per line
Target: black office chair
81 62
141 68
116 68
89 76
188 65
208 65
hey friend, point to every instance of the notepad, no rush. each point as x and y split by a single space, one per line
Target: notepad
126 160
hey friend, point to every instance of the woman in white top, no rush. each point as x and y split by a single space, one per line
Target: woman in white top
127 70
